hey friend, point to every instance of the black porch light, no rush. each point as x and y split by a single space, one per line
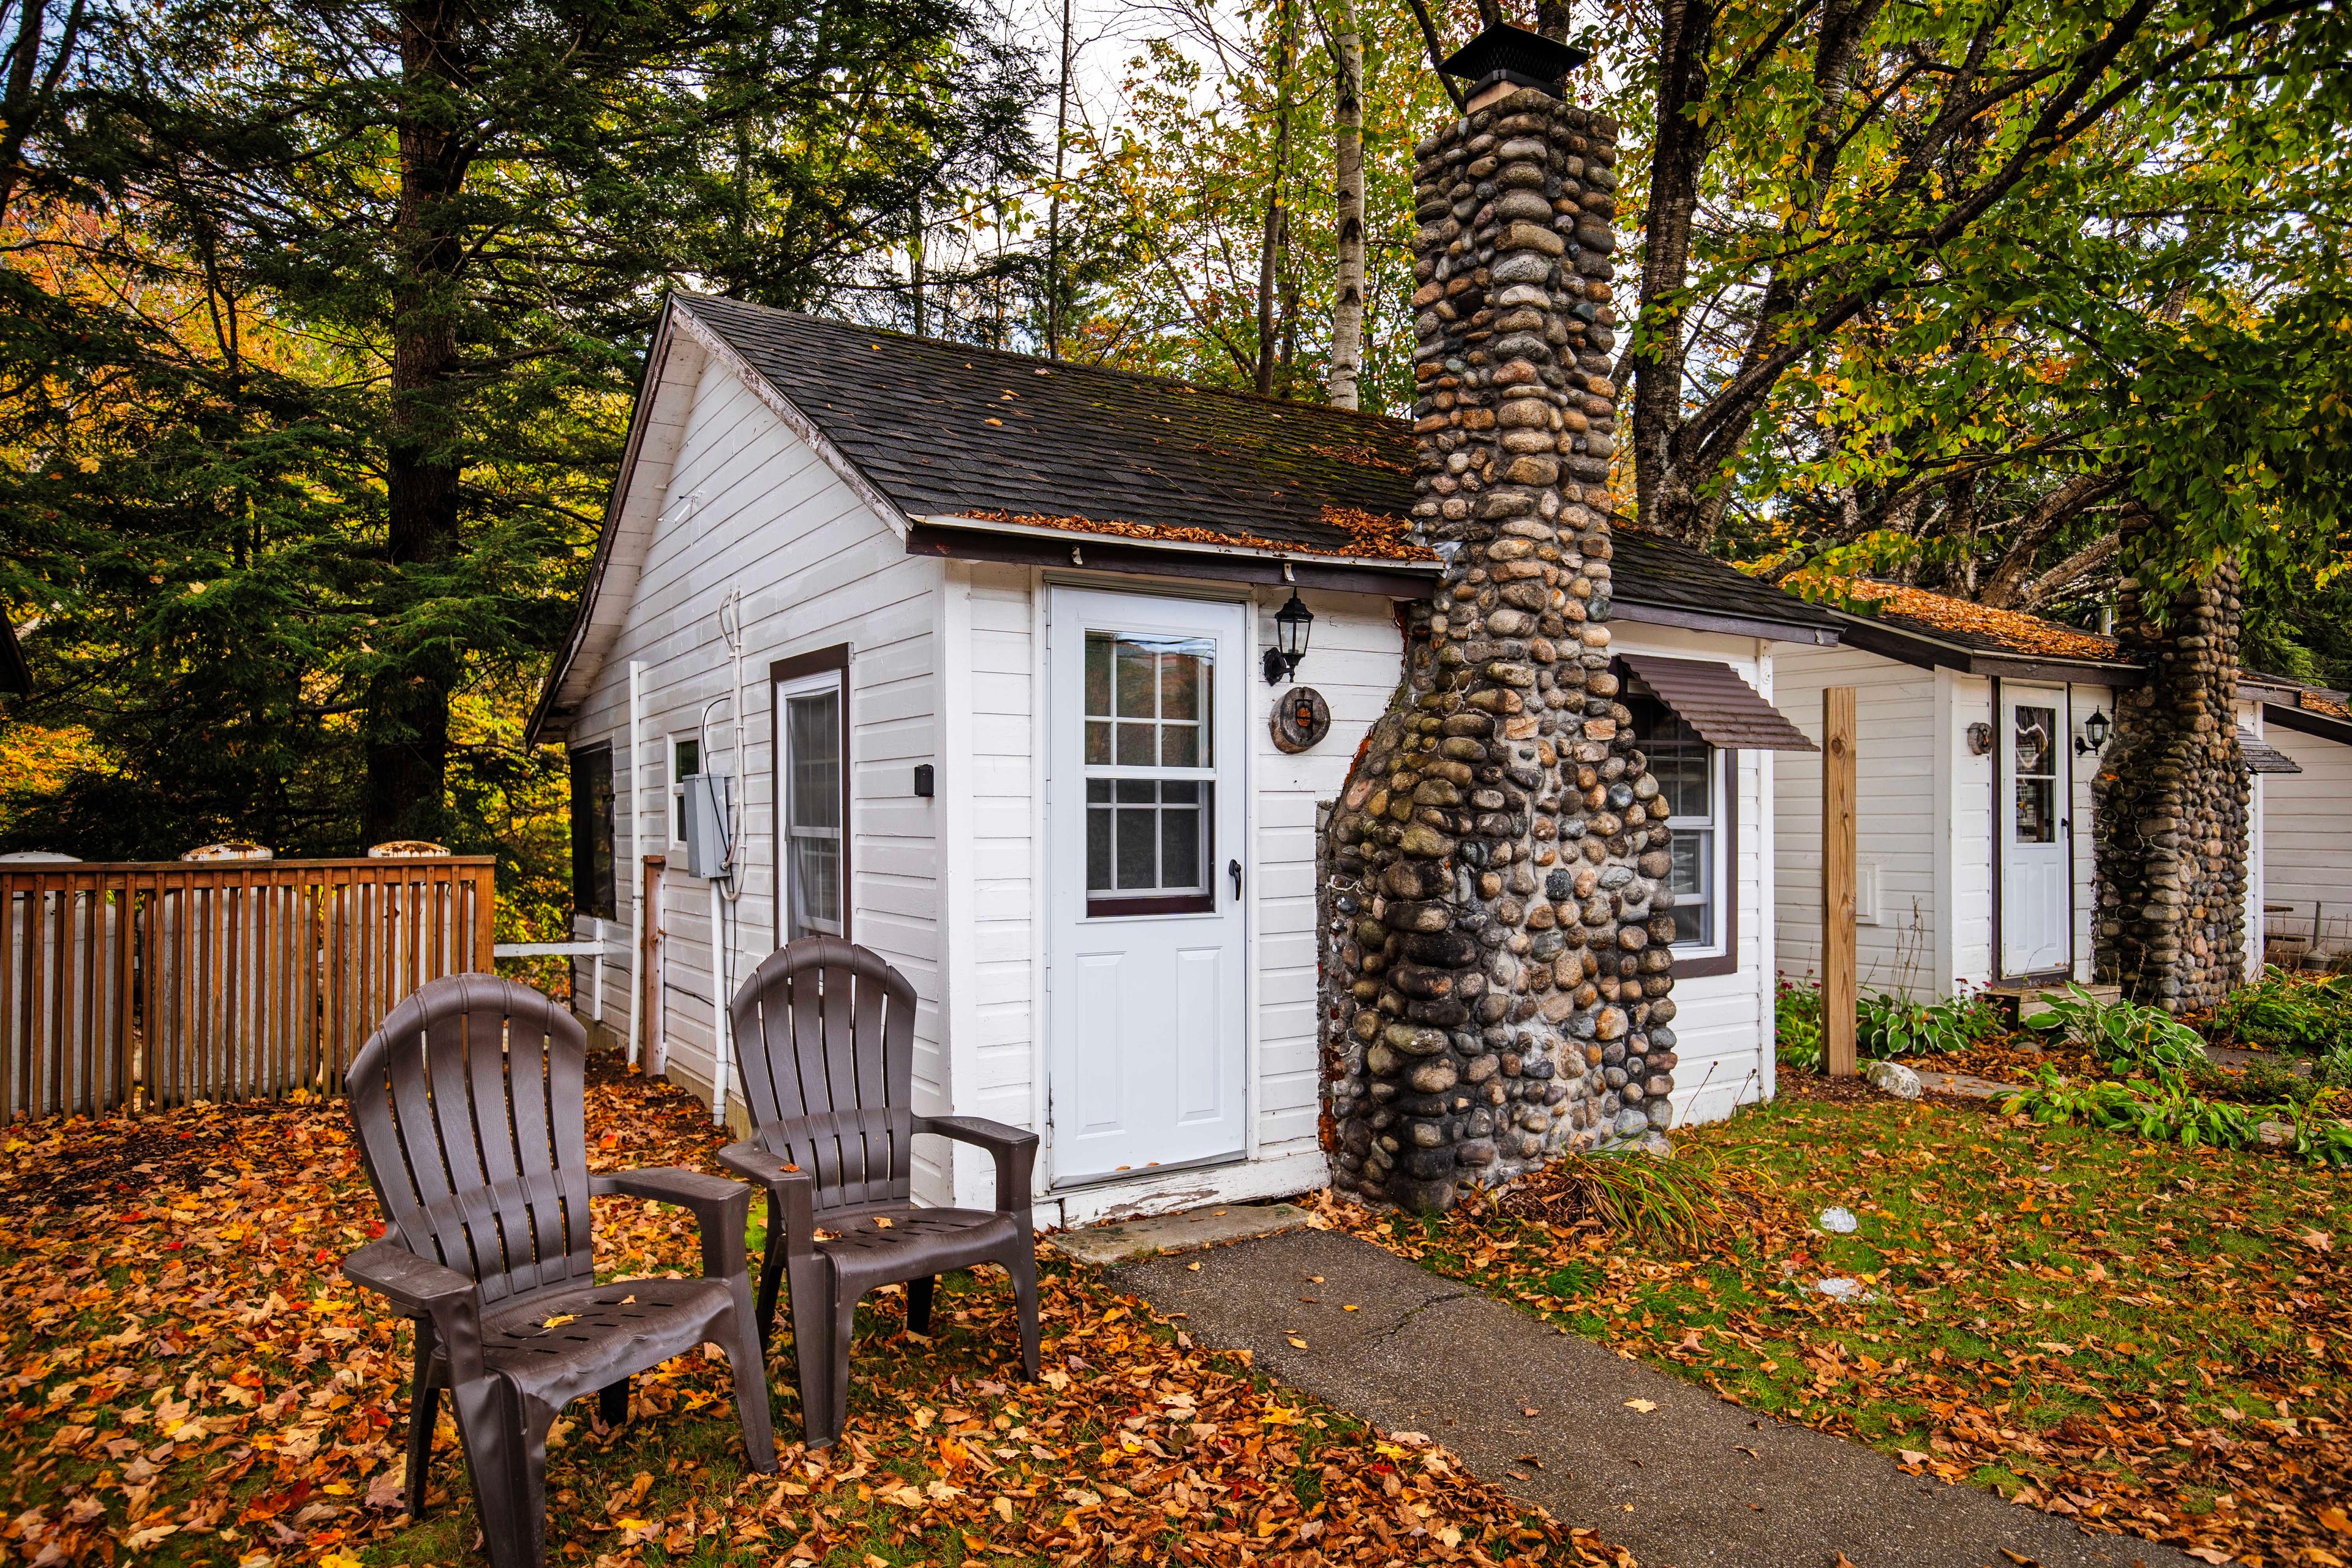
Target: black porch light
1291 625
2094 732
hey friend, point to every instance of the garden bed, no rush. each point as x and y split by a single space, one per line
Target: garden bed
2145 1339
190 1381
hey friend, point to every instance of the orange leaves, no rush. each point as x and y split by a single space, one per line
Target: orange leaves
238 1399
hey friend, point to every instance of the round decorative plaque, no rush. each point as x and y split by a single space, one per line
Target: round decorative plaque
1301 718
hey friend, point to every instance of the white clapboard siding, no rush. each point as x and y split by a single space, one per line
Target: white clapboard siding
2307 827
1895 816
751 508
1355 656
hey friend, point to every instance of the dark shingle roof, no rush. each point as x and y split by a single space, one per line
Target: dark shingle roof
914 415
1080 442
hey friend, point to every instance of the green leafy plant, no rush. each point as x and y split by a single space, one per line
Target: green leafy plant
2260 1082
1797 1024
2166 1111
2288 1012
2121 1032
2334 1069
1887 1024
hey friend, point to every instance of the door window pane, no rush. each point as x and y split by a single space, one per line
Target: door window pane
1149 700
1149 707
2035 771
813 812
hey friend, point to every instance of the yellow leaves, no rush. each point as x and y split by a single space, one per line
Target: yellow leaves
1642 1406
559 1319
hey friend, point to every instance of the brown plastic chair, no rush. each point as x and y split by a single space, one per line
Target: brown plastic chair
468 1106
825 1039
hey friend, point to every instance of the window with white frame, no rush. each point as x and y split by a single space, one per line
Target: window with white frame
1691 777
812 773
685 756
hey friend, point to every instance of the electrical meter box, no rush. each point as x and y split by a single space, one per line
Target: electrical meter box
705 824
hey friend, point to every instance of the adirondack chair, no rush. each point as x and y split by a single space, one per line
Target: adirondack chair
468 1106
825 1039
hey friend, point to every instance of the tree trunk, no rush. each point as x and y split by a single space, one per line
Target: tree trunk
406 727
1497 975
1278 212
1347 140
1656 360
1054 202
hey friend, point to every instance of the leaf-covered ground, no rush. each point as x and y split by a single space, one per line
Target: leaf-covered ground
188 1379
2148 1339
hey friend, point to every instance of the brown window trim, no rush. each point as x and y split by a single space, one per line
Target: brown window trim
1727 829
823 659
1111 908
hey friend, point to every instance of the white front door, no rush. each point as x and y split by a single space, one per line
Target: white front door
2034 835
1144 809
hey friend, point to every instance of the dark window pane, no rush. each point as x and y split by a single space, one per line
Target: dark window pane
1138 791
2037 818
812 741
1099 790
1135 745
1138 862
817 886
1098 646
1097 743
1180 792
1693 881
1179 745
1098 877
1138 682
2035 728
1180 685
1180 849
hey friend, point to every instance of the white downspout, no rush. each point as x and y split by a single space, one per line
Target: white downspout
727 888
636 869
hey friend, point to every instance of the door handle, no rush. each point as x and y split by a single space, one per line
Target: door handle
1233 869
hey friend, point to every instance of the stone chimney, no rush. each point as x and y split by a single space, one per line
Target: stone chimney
1497 978
2171 801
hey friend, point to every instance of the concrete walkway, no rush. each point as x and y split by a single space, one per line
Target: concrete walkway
1692 1481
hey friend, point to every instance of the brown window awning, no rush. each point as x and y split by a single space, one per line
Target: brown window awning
2261 757
1713 699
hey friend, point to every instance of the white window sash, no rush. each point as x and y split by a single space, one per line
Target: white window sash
1720 779
828 681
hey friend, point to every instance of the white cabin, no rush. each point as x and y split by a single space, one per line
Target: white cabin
1978 737
977 640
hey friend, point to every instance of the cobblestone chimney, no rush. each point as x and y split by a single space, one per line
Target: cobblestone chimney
2171 799
1496 978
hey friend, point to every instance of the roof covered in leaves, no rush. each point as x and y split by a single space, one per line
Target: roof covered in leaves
1938 623
947 429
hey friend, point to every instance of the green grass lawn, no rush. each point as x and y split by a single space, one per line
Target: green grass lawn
2148 1338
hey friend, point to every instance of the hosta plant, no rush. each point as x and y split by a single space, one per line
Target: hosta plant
2121 1032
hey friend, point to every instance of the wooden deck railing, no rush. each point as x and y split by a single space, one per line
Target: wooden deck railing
153 984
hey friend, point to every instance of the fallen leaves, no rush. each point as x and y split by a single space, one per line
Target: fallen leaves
2160 1344
231 1401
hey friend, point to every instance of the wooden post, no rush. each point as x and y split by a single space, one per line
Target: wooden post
650 975
1837 881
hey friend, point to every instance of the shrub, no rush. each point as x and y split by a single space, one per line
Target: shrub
1797 1024
2288 1012
2122 1032
2334 1069
1889 1025
2167 1111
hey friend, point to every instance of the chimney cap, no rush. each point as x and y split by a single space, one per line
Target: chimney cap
1505 53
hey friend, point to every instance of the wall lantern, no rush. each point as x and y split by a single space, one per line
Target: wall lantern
2094 733
1291 625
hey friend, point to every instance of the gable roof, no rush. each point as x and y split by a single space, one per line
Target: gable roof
13 675
981 454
